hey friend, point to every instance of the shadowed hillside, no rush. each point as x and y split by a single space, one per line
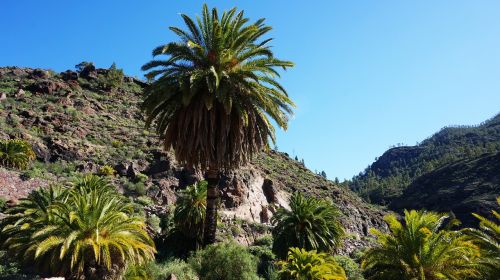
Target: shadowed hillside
455 169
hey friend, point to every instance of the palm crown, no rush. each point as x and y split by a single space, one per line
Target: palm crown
301 264
87 230
189 213
310 224
214 96
422 248
16 153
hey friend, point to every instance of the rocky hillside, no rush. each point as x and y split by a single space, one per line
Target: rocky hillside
455 169
465 186
82 122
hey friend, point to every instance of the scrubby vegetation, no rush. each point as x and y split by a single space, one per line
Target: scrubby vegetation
113 205
225 261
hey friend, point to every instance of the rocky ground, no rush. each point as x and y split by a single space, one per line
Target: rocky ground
77 123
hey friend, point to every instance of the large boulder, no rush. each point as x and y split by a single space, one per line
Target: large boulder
40 74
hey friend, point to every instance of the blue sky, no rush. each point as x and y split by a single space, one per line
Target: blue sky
369 74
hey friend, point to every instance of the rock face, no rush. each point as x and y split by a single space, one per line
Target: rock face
13 187
75 125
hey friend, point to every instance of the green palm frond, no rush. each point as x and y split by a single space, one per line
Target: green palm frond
420 249
214 95
487 237
310 224
189 213
66 232
16 153
310 265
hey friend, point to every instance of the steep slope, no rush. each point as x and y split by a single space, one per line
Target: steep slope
80 122
397 168
465 186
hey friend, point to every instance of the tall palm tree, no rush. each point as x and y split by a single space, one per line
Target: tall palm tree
310 224
16 153
310 265
189 213
421 249
487 237
88 231
214 95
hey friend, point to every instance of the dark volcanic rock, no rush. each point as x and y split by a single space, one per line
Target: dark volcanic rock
40 74
48 87
269 191
69 75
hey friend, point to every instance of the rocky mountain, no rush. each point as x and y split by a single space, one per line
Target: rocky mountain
89 121
455 170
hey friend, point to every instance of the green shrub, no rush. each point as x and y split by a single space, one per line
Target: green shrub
116 143
266 257
160 271
11 270
114 78
351 268
153 222
141 177
107 170
144 200
224 261
3 204
266 240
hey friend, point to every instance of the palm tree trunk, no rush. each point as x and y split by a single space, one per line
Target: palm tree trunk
210 227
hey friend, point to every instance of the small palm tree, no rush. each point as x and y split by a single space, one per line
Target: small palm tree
310 224
420 249
88 231
487 237
214 96
189 213
27 216
16 153
310 265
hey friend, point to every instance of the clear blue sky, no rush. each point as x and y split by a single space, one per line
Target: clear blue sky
368 74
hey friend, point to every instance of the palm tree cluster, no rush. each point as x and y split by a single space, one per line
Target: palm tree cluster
87 230
214 95
16 153
310 224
